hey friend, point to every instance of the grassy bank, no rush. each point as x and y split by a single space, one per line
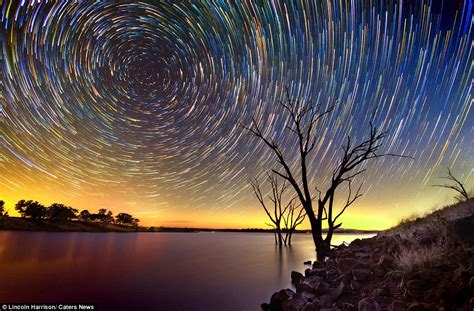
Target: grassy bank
25 224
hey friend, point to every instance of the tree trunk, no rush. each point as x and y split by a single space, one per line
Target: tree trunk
280 239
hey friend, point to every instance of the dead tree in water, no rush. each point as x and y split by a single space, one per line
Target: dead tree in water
456 185
303 117
278 210
293 218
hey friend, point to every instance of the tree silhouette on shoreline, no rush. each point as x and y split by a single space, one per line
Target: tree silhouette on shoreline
303 117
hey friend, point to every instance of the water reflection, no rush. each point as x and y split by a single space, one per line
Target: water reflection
164 271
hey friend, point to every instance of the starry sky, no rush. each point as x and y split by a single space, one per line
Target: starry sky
136 106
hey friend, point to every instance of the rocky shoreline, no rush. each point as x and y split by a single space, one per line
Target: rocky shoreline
429 266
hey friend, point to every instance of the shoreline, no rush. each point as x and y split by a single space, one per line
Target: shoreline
27 225
421 265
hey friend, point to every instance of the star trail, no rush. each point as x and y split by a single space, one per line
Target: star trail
138 105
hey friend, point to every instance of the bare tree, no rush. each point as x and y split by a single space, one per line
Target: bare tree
455 185
303 118
294 216
276 195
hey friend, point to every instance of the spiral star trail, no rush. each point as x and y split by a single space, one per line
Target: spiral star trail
136 106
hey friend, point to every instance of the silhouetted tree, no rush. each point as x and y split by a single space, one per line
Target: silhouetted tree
31 209
455 185
294 216
85 215
104 216
124 219
2 207
135 222
276 210
59 212
303 117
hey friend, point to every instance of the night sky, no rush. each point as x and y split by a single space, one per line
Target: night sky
136 106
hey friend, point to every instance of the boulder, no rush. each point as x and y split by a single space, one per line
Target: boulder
354 285
395 276
360 275
461 230
427 237
345 265
418 306
387 262
348 307
295 303
308 284
398 305
309 297
296 277
310 307
358 243
318 264
277 299
368 304
415 288
321 289
321 272
331 296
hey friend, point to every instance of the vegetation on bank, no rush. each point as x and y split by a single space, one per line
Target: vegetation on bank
59 217
423 263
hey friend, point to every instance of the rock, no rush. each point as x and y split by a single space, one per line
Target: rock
308 296
387 262
418 306
360 275
354 285
395 276
471 303
310 307
279 297
345 265
460 273
471 283
424 275
330 297
383 291
357 243
348 307
398 305
307 262
321 272
415 288
321 289
362 255
392 246
461 230
378 270
308 284
296 277
368 304
318 264
427 237
295 303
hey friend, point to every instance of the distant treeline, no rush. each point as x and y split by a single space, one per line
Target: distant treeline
58 212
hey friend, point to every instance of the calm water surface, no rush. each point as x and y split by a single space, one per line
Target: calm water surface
150 271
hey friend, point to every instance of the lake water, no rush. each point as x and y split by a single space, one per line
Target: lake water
150 271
